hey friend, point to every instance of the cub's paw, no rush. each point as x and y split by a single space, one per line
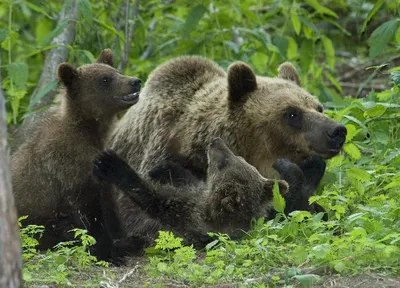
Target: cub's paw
171 173
110 167
287 168
313 169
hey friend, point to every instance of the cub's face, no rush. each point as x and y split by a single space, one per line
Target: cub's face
283 120
98 88
234 183
103 84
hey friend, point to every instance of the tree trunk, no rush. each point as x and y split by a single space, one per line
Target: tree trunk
53 58
10 245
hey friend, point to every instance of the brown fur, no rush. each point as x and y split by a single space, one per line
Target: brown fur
189 100
52 170
233 194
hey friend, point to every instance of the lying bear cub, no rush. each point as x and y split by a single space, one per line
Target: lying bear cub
233 193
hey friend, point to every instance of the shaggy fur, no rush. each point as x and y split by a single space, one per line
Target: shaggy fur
52 170
235 192
190 100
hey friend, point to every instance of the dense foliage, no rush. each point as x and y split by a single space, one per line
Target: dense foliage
341 48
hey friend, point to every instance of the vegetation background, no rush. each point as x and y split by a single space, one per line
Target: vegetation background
347 52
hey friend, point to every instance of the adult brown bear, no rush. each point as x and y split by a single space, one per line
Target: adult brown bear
190 100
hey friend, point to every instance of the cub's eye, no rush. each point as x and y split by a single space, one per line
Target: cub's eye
320 109
106 79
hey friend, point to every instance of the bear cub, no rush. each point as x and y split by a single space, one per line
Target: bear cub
233 194
52 170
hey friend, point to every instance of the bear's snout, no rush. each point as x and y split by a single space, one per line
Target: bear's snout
136 84
337 136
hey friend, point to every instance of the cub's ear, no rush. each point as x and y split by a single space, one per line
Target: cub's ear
67 74
241 81
288 72
106 57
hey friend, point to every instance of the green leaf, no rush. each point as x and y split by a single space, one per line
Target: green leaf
296 23
381 37
86 9
18 72
307 279
351 132
278 201
339 266
321 9
329 51
43 28
57 31
300 255
306 54
37 9
359 174
352 150
259 61
397 36
195 15
46 89
334 81
376 111
3 34
371 13
110 28
292 52
89 55
396 77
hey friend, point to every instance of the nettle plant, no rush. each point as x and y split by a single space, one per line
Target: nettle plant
54 266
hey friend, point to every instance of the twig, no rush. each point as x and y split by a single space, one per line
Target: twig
128 33
149 49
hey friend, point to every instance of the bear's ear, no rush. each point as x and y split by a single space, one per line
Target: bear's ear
288 72
67 74
241 81
106 57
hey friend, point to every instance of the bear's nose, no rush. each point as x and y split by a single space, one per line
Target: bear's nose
338 135
136 83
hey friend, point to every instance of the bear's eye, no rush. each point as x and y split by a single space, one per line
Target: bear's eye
292 114
293 118
320 109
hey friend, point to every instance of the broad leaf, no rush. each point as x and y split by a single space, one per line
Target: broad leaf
19 73
195 15
381 37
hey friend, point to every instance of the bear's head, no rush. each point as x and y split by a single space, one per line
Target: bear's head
236 189
281 119
98 90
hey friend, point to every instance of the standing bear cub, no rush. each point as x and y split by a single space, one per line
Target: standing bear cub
52 171
189 100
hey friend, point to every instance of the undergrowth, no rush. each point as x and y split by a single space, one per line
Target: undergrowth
55 266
